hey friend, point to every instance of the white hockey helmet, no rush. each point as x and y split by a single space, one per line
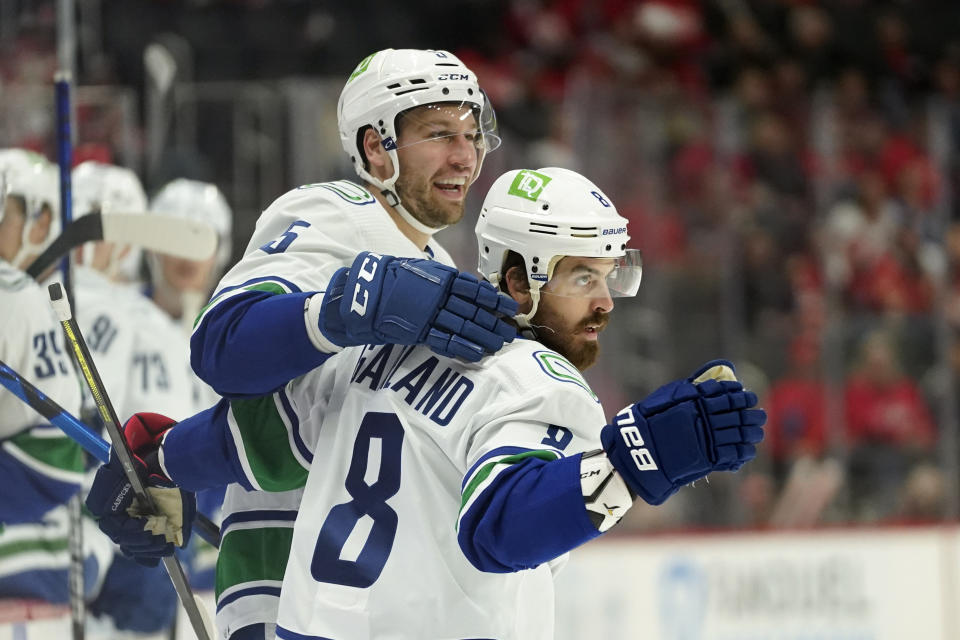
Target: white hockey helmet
30 176
201 201
545 215
107 188
391 81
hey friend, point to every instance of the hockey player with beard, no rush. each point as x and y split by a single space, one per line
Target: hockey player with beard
440 491
416 127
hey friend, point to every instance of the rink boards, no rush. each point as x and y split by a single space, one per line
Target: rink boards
843 584
846 584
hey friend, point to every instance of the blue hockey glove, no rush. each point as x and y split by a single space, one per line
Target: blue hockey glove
386 300
683 431
143 537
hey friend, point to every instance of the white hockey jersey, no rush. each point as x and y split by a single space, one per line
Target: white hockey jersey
141 353
399 443
308 233
32 343
299 241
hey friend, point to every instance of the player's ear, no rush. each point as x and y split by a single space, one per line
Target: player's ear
377 157
518 288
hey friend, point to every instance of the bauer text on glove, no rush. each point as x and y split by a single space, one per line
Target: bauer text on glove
683 431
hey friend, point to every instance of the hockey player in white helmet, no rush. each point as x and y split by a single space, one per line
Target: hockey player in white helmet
40 468
180 286
440 491
38 199
417 127
143 359
128 336
108 188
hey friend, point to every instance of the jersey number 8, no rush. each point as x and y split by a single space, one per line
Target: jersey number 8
368 500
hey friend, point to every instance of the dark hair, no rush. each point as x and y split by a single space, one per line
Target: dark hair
512 260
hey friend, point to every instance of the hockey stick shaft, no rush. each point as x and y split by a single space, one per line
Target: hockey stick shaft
180 237
64 161
198 620
63 80
80 432
57 415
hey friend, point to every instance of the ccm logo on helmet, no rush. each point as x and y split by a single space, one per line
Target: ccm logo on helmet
453 76
614 232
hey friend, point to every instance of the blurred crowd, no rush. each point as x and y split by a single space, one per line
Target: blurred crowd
789 169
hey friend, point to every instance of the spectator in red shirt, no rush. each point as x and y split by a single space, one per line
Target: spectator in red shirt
797 406
889 427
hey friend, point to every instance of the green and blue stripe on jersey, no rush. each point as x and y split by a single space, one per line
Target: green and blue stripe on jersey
521 508
254 442
41 469
34 560
257 544
250 339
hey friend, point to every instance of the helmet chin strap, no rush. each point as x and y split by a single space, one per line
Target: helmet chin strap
394 201
523 319
27 248
388 191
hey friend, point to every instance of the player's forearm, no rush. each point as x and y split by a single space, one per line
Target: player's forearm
199 453
532 513
253 343
243 441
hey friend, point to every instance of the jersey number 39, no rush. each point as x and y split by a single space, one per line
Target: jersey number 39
328 565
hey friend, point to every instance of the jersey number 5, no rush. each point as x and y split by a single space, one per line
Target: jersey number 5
280 244
364 568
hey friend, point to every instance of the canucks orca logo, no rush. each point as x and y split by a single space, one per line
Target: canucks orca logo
559 368
346 190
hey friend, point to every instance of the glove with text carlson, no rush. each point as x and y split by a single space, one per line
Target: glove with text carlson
683 431
141 535
386 300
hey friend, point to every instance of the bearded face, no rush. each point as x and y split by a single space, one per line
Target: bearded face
574 339
437 147
574 308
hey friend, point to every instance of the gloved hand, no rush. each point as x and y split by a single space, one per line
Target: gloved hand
683 431
142 536
386 300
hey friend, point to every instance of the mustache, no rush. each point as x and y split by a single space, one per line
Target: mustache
599 319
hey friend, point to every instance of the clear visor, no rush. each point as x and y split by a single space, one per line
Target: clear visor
450 123
576 277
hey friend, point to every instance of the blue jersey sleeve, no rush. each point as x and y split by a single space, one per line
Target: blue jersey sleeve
253 343
199 452
532 512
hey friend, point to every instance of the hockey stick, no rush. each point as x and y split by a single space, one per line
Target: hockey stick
199 619
81 433
63 85
175 236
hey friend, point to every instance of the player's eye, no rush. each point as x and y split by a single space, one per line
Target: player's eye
439 134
